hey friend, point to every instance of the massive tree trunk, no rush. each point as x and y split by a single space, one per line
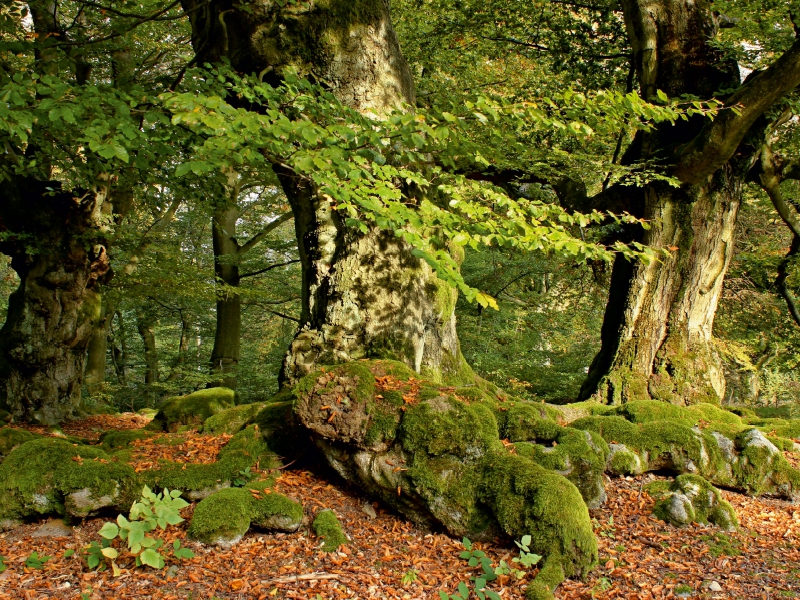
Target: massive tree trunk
56 241
656 338
364 295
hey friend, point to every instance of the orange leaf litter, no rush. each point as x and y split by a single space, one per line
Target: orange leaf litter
640 557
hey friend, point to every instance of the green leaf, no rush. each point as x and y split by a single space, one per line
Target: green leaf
152 558
110 553
67 553
109 531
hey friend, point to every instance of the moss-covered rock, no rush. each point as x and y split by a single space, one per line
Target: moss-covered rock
578 455
233 420
701 439
326 525
11 437
247 448
193 409
526 498
434 453
49 476
224 517
692 499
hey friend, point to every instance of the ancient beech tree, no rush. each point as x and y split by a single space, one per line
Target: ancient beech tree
656 338
364 294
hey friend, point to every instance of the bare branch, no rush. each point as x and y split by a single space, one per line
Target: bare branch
256 239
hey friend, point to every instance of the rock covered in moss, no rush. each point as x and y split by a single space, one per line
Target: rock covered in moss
192 409
246 449
692 499
48 476
232 420
702 439
622 461
326 525
11 437
434 454
224 517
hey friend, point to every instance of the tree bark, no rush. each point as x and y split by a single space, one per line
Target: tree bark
144 324
656 337
227 337
364 295
57 244
95 373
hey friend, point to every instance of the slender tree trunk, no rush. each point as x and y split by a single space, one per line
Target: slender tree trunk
54 312
144 324
227 337
656 337
364 295
183 350
95 373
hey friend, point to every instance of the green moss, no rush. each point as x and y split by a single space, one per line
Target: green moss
225 516
547 580
117 440
445 425
528 421
10 438
193 409
395 368
741 411
527 499
326 525
713 414
625 462
245 449
644 411
52 476
232 420
690 498
576 455
222 517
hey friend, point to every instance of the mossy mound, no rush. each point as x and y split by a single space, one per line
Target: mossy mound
192 410
246 449
118 440
692 499
11 437
434 453
326 525
224 517
701 439
526 498
233 420
49 476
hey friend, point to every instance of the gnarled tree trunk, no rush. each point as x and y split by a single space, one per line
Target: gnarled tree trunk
656 338
364 295
56 241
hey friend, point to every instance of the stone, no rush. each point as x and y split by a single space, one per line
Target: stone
54 528
714 587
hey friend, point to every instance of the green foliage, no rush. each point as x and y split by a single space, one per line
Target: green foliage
489 573
34 561
150 512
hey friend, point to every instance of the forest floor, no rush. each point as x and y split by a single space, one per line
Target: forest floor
390 558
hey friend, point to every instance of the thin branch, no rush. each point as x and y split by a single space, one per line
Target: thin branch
256 239
157 227
783 274
269 268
